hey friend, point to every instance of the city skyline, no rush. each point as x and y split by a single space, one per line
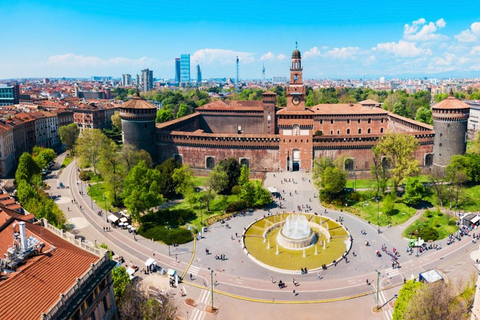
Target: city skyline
115 38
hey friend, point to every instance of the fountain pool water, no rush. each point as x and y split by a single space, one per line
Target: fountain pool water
296 233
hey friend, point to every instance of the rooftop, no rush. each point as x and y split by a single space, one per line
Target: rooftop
137 102
451 103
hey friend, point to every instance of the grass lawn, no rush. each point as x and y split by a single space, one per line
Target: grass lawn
94 177
199 181
67 161
471 199
370 183
96 191
368 210
443 223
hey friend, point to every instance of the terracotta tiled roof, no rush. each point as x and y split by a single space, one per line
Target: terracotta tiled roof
138 103
307 111
232 105
369 102
450 103
345 108
37 284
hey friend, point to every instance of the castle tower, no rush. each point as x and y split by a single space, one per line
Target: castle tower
296 89
269 99
295 123
138 124
450 125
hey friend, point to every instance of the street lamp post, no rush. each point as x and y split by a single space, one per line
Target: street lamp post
378 284
211 285
378 211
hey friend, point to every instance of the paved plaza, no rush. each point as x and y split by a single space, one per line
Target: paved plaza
243 288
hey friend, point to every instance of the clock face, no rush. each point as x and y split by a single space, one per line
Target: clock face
296 100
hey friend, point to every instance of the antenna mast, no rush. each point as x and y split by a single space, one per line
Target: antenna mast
263 75
236 82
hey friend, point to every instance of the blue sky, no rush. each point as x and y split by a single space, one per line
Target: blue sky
341 39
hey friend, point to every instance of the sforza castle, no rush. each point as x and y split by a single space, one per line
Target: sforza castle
269 138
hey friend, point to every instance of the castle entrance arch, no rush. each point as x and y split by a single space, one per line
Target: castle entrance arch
296 160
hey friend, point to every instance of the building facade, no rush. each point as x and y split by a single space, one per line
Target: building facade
51 274
177 70
9 94
185 68
147 80
126 80
199 74
267 138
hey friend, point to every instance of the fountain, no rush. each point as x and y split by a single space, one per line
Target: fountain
296 233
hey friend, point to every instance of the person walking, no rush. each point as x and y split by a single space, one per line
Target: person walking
294 293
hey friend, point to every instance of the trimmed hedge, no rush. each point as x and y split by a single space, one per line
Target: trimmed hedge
236 206
168 236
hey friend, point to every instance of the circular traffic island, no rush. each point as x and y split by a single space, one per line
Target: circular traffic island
289 242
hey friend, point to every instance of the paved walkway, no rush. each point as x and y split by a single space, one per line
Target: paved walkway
239 275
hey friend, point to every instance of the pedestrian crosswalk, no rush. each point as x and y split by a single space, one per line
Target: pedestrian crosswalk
199 312
392 272
193 270
387 311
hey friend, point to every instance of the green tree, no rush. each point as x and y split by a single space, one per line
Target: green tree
117 120
333 180
437 179
414 191
89 147
164 115
476 145
183 110
131 156
183 179
456 174
400 109
247 194
141 189
404 297
68 135
167 183
379 170
424 114
44 156
262 196
232 169
217 180
26 169
388 203
399 151
121 280
111 170
244 175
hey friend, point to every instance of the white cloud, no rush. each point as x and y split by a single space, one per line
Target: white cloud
402 49
270 56
421 31
221 56
475 50
447 60
440 23
76 61
344 53
470 35
313 52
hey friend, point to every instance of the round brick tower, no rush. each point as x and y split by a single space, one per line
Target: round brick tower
450 125
138 124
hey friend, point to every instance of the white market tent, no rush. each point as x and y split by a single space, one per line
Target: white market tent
475 219
113 218
130 272
430 276
149 262
123 219
272 189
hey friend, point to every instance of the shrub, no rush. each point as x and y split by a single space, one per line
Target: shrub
428 233
84 176
236 190
236 206
168 236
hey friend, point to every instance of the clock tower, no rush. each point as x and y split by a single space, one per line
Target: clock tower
296 89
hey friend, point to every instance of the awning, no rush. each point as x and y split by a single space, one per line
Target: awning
430 276
123 219
149 262
130 271
113 218
475 220
171 272
272 189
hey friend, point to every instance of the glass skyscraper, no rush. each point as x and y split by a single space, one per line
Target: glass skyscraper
184 68
177 70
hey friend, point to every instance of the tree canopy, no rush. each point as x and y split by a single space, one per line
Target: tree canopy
68 135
